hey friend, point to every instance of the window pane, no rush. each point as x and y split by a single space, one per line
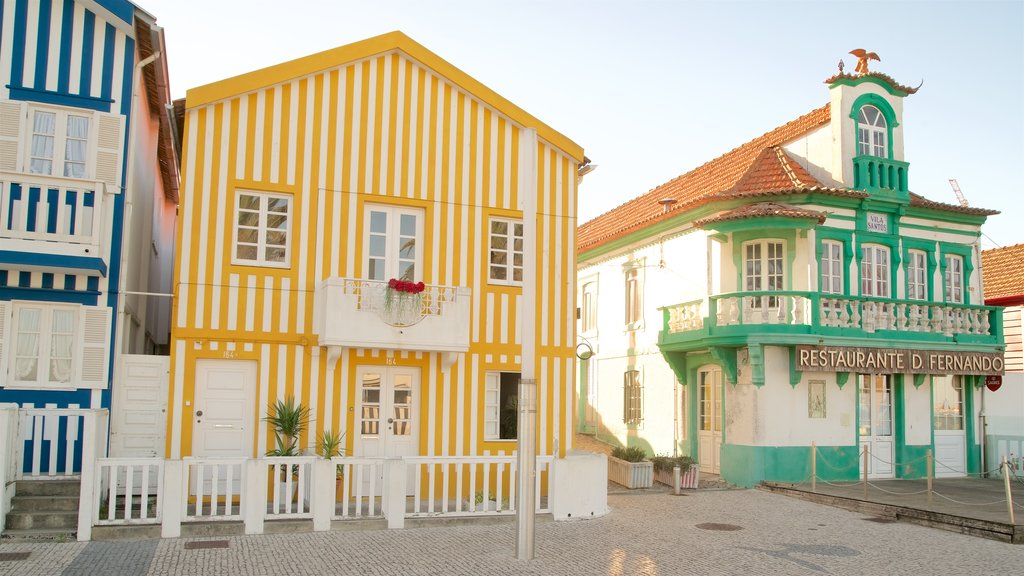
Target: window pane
499 273
277 222
498 243
246 218
377 244
247 236
408 248
407 225
499 227
376 269
276 238
275 255
378 222
278 205
245 252
248 202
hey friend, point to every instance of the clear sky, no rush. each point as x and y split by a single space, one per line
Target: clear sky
653 89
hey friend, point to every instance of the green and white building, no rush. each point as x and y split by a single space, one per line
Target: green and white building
793 292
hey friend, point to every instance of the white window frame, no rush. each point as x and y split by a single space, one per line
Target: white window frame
262 230
953 283
394 262
634 296
917 275
510 252
632 398
89 335
874 273
758 265
60 141
831 267
588 308
872 137
492 404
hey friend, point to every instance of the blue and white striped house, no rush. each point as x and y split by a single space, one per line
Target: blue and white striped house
88 191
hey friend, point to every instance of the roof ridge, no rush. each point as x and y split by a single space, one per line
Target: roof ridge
784 159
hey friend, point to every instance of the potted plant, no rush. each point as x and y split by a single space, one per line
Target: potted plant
289 419
630 467
688 470
329 445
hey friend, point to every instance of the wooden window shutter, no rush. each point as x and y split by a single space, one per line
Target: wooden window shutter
93 354
109 141
12 115
492 408
6 321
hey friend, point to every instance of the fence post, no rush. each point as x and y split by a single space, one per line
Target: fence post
87 493
254 495
323 494
930 472
814 467
394 492
8 447
676 471
173 498
865 473
1006 484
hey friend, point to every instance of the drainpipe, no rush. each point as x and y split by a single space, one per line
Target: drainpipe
981 411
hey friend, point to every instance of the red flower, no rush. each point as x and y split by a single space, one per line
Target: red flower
393 283
420 286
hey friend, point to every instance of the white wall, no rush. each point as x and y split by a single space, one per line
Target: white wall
843 127
917 407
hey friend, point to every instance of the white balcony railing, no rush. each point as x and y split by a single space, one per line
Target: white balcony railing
46 214
367 314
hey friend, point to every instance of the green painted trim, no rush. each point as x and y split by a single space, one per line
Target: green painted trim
883 106
895 260
788 237
726 358
842 217
747 466
973 452
842 378
937 229
581 409
756 354
918 380
763 223
966 253
794 375
945 216
870 80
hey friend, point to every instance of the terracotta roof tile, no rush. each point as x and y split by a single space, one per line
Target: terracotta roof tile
698 185
773 169
922 202
883 77
761 210
1002 271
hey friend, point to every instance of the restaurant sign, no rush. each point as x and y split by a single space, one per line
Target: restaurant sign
896 361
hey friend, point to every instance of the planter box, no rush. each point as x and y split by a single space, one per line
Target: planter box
687 479
631 474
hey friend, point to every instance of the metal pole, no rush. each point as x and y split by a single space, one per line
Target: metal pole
676 480
1006 483
526 443
930 464
865 472
814 467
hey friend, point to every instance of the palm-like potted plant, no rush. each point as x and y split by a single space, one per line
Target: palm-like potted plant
329 445
289 419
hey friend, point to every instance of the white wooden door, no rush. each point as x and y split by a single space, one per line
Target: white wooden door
223 413
709 419
876 424
948 426
387 405
138 415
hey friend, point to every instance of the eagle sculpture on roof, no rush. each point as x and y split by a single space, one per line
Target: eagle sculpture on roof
862 59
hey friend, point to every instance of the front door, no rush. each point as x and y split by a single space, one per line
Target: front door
223 420
388 403
138 415
948 424
709 420
876 424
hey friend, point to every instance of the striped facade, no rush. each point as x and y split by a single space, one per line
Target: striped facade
63 231
70 55
380 122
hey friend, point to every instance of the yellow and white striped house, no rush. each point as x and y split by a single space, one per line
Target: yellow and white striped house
308 186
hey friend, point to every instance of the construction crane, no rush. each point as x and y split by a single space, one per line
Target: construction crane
959 194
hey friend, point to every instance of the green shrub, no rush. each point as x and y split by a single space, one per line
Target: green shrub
630 454
667 463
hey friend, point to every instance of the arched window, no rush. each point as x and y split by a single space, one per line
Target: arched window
872 132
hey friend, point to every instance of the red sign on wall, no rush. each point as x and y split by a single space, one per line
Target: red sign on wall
993 382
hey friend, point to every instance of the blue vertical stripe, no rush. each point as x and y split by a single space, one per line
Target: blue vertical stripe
108 60
43 44
66 29
18 49
92 283
127 76
88 38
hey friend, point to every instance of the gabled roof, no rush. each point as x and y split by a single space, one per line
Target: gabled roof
389 42
699 185
761 210
1002 271
922 202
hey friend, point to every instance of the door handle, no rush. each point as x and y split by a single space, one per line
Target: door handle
199 412
223 426
391 420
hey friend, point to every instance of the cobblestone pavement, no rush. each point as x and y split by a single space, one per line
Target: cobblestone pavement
649 533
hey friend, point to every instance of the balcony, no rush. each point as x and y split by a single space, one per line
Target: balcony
874 174
366 314
788 313
51 222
